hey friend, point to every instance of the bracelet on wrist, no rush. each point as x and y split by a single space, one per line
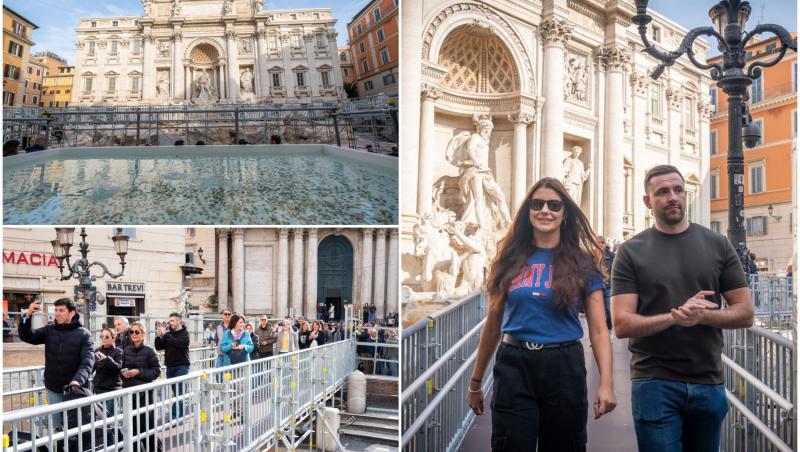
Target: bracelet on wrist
475 390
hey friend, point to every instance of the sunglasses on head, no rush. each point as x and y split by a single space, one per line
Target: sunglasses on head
554 205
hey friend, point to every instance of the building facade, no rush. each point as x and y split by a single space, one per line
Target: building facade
17 43
207 52
57 88
348 73
563 89
769 210
152 274
34 76
374 43
295 271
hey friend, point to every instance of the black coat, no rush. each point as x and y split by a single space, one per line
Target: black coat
68 352
124 340
106 375
176 347
143 358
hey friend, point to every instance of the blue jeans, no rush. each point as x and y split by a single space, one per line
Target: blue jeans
52 399
674 416
177 388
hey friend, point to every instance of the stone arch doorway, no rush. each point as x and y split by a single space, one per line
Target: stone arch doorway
205 74
334 276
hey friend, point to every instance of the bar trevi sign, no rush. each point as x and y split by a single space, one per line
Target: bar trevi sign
124 287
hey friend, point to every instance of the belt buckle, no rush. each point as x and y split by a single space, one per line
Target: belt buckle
534 347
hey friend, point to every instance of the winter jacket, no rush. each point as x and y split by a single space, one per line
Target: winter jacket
227 345
143 358
124 340
176 347
267 339
68 352
106 371
293 341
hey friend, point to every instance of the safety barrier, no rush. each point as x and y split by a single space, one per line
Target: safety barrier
243 407
381 357
438 355
773 299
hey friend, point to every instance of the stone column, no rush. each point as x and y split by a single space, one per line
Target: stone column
297 271
337 68
261 60
233 65
392 272
639 85
379 288
283 272
222 272
555 33
518 185
674 100
238 270
425 178
614 59
366 268
311 60
148 70
177 74
187 82
311 274
411 56
288 75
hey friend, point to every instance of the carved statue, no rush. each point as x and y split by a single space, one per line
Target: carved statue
244 46
227 7
176 7
576 80
483 198
204 92
163 49
246 81
258 5
575 175
162 86
148 8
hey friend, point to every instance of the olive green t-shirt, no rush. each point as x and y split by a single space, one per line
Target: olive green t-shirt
665 270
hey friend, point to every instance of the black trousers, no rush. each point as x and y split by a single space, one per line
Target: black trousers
539 397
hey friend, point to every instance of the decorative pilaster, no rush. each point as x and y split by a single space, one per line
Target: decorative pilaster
178 88
674 101
366 268
639 87
232 50
288 76
261 60
222 269
238 270
521 121
614 59
430 93
148 76
379 289
283 272
297 272
311 273
392 273
555 33
337 69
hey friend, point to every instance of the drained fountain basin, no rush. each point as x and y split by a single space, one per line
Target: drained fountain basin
250 184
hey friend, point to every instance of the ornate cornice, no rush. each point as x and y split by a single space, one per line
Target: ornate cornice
705 109
332 34
148 37
260 33
308 37
125 43
80 44
431 92
674 98
555 31
284 38
613 58
177 36
102 43
230 34
521 118
639 83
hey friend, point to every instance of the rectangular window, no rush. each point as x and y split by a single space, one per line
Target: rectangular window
771 47
35 100
376 13
656 33
756 226
361 47
380 35
388 79
713 137
716 226
365 65
655 100
111 83
325 79
24 99
293 16
8 98
794 123
137 47
345 71
114 47
714 186
135 84
295 41
115 23
343 57
368 85
273 42
713 95
316 16
87 85
757 90
19 29
14 48
385 56
321 43
358 28
301 79
11 71
92 46
688 113
276 80
94 24
757 178
760 124
794 76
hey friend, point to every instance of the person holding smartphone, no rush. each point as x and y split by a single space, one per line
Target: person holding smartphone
107 367
68 350
141 367
174 339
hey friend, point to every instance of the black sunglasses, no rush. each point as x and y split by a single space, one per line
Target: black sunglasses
554 205
135 332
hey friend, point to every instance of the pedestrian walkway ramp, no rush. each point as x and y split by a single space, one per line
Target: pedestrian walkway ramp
438 356
270 403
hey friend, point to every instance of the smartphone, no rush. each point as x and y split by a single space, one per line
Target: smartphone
716 299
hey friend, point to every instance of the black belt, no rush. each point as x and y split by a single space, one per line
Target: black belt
514 342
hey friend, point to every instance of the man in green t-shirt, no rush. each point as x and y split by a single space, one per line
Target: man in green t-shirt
667 286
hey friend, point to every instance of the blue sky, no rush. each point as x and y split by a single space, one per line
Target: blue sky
57 19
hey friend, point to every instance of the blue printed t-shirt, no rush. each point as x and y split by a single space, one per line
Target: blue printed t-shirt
530 315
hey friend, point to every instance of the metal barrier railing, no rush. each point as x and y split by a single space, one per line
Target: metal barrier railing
380 357
23 387
438 355
773 300
760 378
266 402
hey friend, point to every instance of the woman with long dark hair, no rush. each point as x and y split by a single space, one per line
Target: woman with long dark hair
547 266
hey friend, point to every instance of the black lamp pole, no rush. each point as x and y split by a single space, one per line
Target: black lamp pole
729 17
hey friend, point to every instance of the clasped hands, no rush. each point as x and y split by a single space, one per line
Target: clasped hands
692 312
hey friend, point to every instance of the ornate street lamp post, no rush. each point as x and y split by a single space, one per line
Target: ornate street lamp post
81 268
729 18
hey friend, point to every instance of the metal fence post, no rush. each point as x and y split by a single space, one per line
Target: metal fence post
749 393
393 113
236 126
127 420
248 398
